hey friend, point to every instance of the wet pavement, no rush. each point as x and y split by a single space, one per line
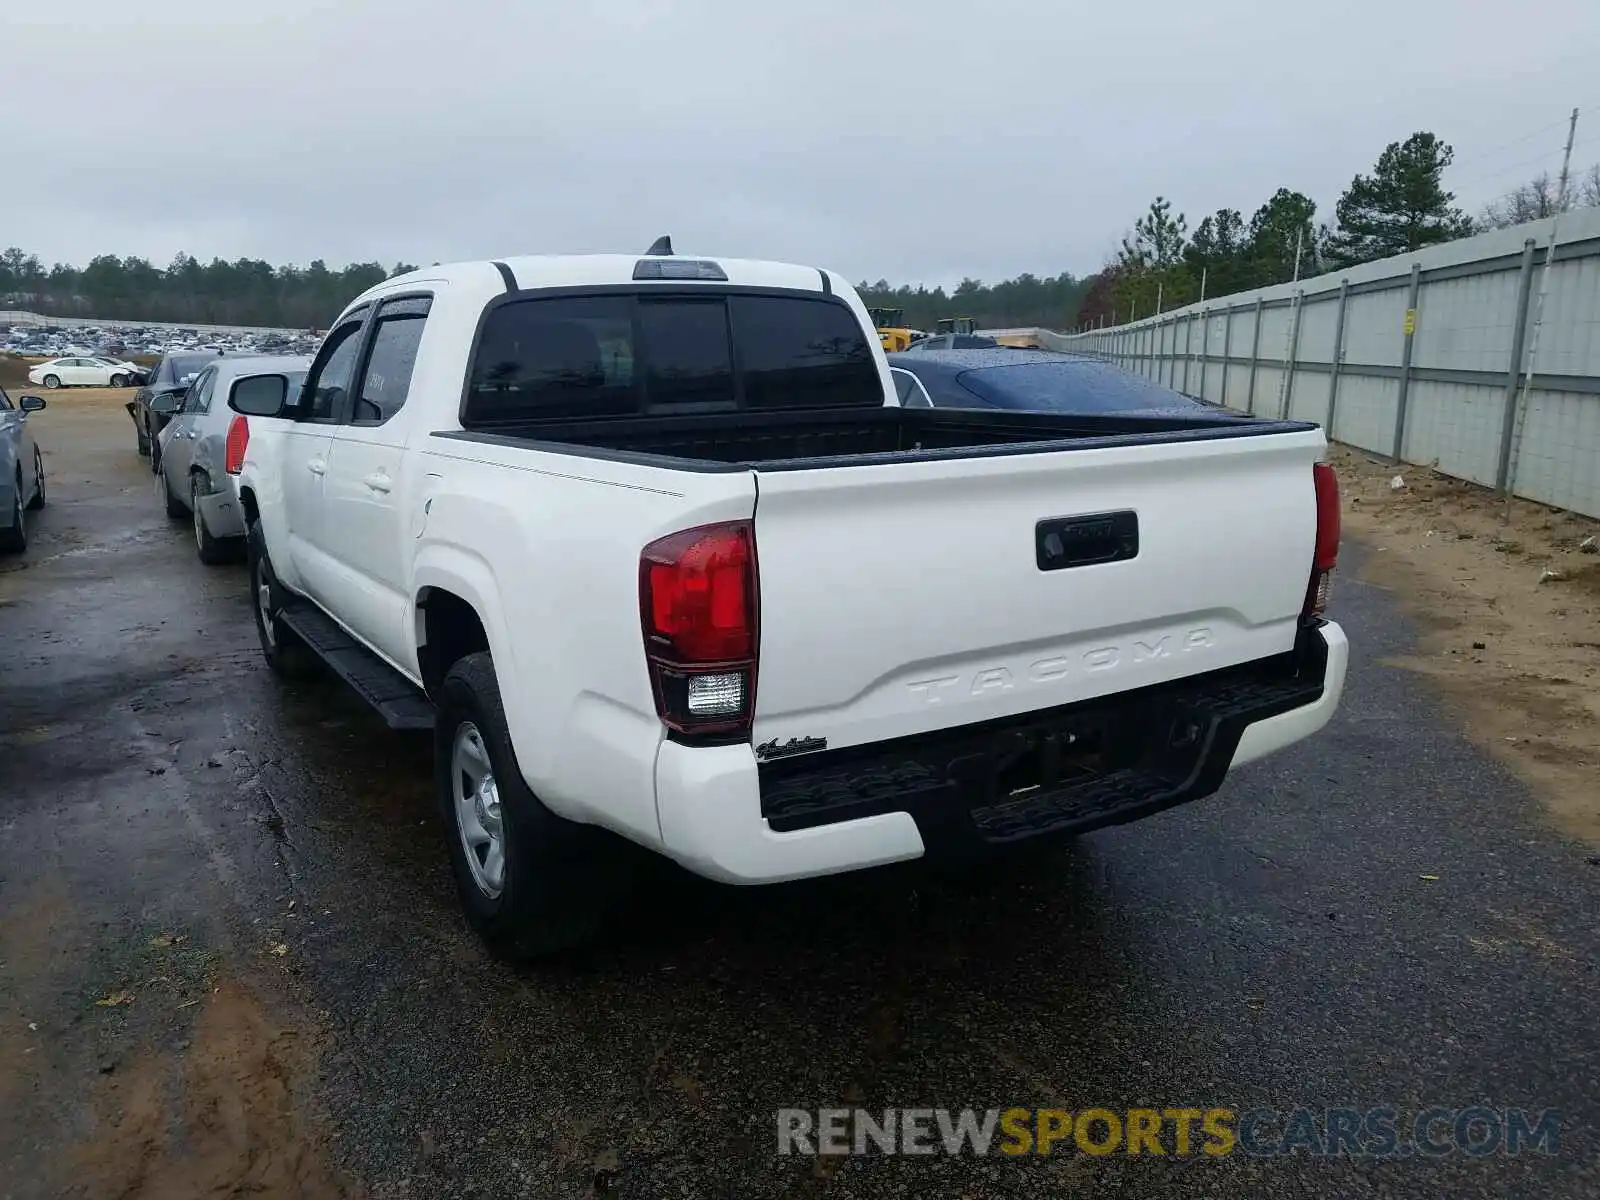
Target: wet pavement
231 958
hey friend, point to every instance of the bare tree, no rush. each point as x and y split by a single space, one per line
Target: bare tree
1528 202
1537 198
1588 187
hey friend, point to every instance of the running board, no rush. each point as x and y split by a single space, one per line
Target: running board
395 697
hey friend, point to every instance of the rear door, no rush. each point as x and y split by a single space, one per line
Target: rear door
908 597
177 449
361 491
307 445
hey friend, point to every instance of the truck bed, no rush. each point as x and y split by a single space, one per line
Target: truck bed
792 441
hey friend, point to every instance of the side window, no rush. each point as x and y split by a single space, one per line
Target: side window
386 379
199 398
909 389
5 401
331 374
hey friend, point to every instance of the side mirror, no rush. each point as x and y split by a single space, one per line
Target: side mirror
168 402
31 403
260 396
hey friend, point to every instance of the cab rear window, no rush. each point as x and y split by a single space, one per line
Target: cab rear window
628 354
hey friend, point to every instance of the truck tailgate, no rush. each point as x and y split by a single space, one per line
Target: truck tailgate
901 598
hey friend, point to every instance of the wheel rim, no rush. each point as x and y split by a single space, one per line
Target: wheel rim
50 381
263 590
478 814
194 508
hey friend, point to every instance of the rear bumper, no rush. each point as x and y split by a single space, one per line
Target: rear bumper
963 791
222 513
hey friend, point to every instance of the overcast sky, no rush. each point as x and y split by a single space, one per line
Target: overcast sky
917 141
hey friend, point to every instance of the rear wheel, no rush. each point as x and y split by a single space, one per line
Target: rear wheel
532 883
14 540
52 381
212 550
280 646
119 381
175 508
38 474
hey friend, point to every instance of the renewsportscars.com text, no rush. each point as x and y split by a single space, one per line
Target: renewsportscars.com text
1476 1131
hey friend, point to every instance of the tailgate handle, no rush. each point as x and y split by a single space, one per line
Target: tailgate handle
1061 542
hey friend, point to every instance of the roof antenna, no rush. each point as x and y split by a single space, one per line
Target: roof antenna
662 245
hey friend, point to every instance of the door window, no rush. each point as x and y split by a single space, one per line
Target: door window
199 398
386 379
328 385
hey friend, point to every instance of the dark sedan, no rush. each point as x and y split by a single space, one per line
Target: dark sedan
154 403
1029 380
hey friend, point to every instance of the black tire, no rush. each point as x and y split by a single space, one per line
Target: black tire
119 381
52 381
15 539
280 646
560 878
38 473
175 509
143 437
213 551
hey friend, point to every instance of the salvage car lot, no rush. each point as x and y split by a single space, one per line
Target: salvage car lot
213 878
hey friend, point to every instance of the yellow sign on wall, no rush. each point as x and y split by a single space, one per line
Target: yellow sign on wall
1411 321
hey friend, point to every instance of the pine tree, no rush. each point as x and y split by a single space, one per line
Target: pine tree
1402 206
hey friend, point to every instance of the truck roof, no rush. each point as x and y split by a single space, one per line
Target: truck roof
598 270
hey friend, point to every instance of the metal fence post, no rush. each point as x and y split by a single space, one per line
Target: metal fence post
1188 338
1255 350
1172 355
1338 355
1405 362
1205 348
1227 345
1293 356
1519 339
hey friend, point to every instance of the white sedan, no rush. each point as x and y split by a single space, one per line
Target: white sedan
84 372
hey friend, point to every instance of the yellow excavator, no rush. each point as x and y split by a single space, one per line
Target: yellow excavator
963 325
892 329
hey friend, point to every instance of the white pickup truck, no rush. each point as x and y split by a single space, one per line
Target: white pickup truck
650 546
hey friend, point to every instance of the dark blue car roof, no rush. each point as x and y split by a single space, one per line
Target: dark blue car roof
1042 380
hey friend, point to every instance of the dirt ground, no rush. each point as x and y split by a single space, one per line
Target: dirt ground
157 1051
1509 604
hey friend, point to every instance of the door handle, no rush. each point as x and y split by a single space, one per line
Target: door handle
377 481
317 466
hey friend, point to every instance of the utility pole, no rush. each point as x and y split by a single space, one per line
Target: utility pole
1538 312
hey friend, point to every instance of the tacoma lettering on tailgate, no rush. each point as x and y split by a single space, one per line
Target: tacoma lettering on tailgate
1058 666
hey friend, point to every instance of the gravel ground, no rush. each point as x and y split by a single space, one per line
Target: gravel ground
232 959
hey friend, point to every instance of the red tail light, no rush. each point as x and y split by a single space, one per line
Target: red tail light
698 602
238 440
1326 554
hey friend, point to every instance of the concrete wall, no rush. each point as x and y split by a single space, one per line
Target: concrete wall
1335 350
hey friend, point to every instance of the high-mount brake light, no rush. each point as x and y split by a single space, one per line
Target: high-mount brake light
679 268
1326 554
238 442
699 606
